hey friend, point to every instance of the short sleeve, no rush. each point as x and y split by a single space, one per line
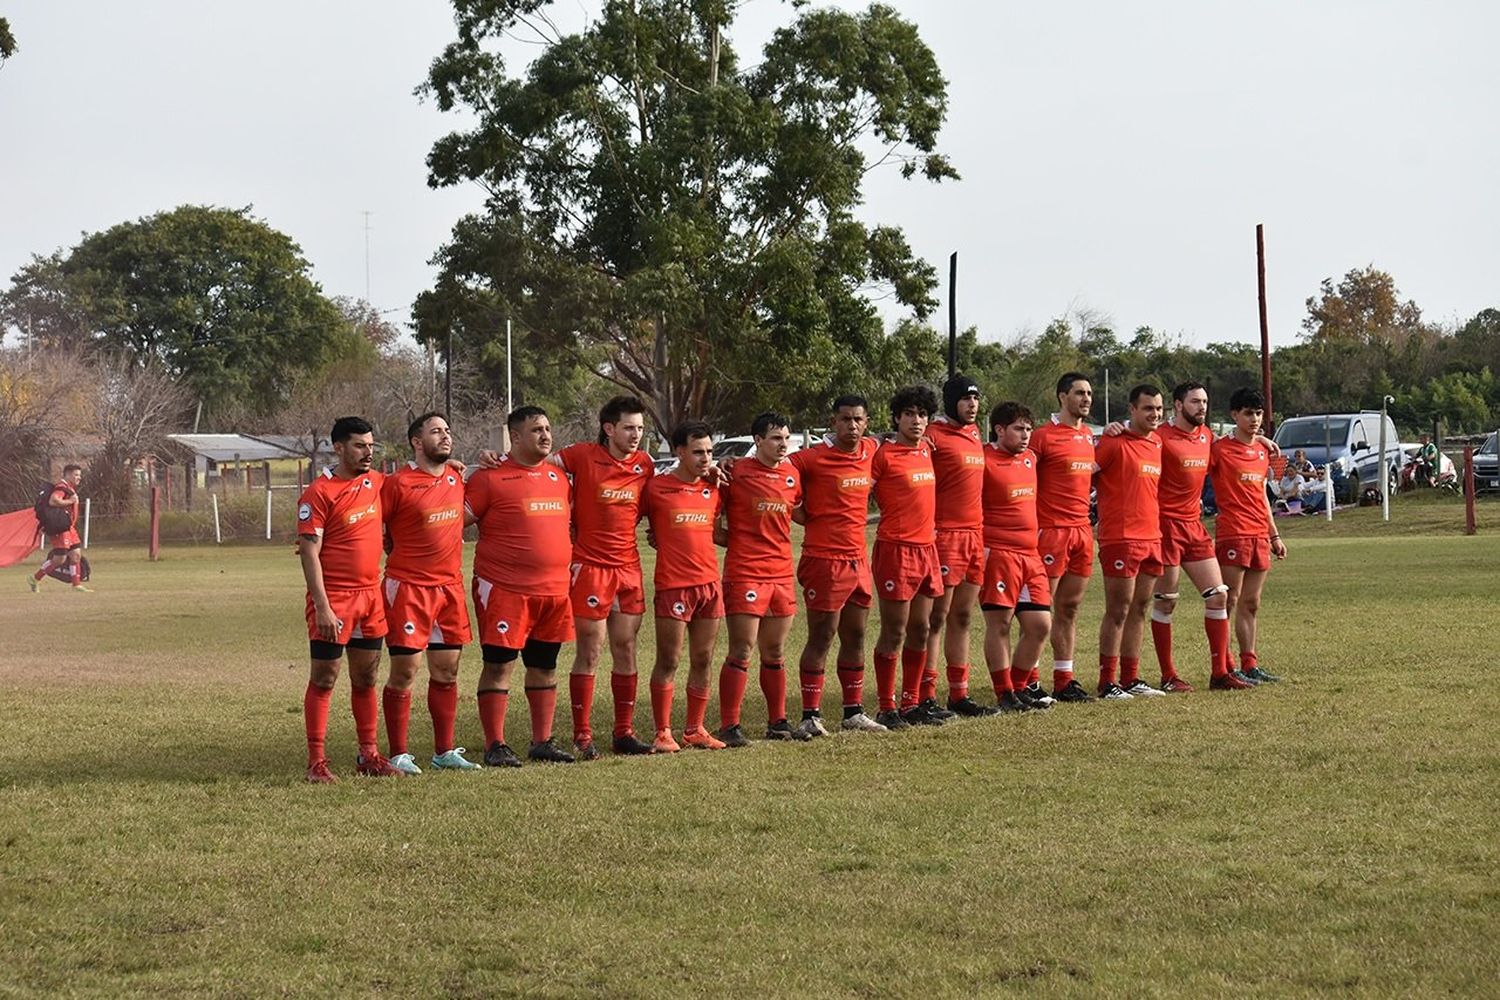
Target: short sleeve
312 511
477 494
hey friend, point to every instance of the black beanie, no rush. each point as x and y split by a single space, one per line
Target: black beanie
957 388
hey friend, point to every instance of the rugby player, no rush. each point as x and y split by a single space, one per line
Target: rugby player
66 547
834 569
1185 545
425 608
608 591
755 526
1064 447
1015 578
1245 535
682 508
521 584
958 461
1129 542
339 543
905 567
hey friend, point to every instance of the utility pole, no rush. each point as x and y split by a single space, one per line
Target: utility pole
367 256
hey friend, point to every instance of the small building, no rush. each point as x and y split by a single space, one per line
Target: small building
212 453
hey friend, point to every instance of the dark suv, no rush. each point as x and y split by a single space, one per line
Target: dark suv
1486 467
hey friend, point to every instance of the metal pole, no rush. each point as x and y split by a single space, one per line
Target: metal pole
510 390
1385 472
218 537
268 513
88 508
448 376
1106 397
1265 332
952 313
1328 466
155 549
1469 526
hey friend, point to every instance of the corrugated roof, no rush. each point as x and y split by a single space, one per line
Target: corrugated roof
226 447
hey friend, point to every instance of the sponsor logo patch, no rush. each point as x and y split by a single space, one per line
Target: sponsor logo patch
304 513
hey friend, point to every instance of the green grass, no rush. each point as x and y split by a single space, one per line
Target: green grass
1335 833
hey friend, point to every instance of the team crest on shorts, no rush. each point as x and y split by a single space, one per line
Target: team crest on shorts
679 608
1231 553
890 585
1000 586
1119 564
750 596
409 628
944 570
593 601
502 627
812 595
1048 559
304 513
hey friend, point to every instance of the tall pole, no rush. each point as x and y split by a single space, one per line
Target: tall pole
448 376
367 256
1265 331
1385 472
510 395
952 313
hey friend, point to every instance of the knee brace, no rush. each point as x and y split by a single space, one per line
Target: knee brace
498 655
1211 591
539 655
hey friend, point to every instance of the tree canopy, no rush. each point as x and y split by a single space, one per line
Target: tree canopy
669 219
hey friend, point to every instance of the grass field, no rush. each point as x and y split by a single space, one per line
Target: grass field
1336 833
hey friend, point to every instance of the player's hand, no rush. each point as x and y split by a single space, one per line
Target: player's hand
489 458
326 624
1114 428
1278 548
716 476
1271 447
651 537
725 469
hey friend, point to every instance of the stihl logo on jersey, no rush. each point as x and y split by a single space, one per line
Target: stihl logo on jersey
690 517
360 515
546 507
922 477
1150 469
854 483
973 459
1081 468
1195 463
1023 492
626 495
770 507
442 516
1252 477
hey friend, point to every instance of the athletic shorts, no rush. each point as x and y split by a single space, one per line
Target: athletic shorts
1249 552
1067 550
67 541
902 571
829 584
598 590
961 556
360 614
1184 542
508 618
685 604
1013 577
419 616
1131 559
760 598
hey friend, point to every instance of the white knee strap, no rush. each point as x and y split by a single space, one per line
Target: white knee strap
1158 615
1211 591
1166 597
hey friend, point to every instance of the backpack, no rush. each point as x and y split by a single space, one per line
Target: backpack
53 520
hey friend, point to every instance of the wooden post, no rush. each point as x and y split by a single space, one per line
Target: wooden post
190 475
1469 526
155 546
1265 334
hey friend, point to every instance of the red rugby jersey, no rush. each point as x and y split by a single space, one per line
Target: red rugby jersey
958 460
522 512
836 497
345 514
1239 474
1129 477
1010 499
759 504
906 492
606 502
1065 471
1184 466
682 517
424 519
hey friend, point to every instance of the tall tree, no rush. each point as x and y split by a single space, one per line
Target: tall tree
680 225
1365 307
218 298
7 41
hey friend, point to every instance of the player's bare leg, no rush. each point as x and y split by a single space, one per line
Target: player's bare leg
669 635
894 616
997 658
1132 635
852 623
702 633
950 623
1036 625
322 676
1209 582
1118 591
1245 587
916 631
442 705
822 628
395 705
1067 598
364 675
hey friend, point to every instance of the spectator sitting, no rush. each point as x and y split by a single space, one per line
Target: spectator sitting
1303 467
1314 492
1289 490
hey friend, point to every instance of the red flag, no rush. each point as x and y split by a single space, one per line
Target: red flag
19 536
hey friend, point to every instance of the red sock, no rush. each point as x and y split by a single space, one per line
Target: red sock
366 704
41 573
958 681
1035 677
812 690
1062 678
75 573
397 707
697 708
1161 640
734 677
1108 665
885 679
1000 681
622 688
492 708
1217 629
315 718
581 701
852 683
1248 660
661 704
542 702
773 686
1019 676
913 662
1130 670
929 680
442 703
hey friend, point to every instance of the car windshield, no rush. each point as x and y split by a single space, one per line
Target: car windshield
1310 433
1488 448
731 449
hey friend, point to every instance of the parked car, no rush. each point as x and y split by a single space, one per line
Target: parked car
1487 466
1352 449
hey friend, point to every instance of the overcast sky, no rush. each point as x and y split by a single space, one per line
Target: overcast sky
1115 156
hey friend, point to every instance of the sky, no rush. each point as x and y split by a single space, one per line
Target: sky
1116 158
